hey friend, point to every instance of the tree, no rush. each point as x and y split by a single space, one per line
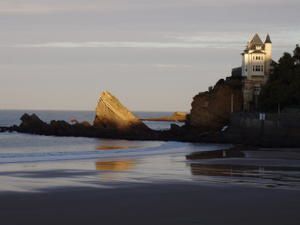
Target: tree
297 55
283 87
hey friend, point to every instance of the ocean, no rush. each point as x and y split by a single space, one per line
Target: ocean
30 163
12 117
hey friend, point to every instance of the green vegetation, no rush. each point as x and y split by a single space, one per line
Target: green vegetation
283 87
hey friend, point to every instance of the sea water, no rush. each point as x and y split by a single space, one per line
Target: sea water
12 117
35 163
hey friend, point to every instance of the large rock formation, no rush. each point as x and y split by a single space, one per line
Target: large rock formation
211 110
111 114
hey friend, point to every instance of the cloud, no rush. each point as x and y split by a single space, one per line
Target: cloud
53 6
45 7
216 40
130 44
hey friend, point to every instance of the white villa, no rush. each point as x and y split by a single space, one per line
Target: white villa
256 67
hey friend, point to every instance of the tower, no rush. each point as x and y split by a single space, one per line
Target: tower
268 51
256 68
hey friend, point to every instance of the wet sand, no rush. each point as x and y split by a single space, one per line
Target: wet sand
45 184
173 203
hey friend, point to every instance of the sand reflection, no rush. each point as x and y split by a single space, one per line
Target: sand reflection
273 176
226 170
120 165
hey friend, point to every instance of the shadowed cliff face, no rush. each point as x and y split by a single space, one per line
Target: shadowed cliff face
211 110
112 114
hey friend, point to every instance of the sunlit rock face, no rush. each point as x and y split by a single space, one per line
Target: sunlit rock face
211 109
112 114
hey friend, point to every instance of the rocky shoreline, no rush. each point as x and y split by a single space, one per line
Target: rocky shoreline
114 121
31 124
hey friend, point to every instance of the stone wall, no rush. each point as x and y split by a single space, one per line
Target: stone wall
275 130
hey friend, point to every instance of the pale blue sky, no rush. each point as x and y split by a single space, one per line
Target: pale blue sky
153 55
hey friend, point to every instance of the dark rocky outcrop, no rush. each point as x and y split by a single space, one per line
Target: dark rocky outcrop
211 109
32 123
112 114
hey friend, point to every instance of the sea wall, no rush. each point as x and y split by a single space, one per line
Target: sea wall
273 130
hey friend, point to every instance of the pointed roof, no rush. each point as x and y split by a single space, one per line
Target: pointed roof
268 39
256 40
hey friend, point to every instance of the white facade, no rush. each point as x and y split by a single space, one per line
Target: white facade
257 58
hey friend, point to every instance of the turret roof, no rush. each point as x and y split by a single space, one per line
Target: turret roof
256 40
268 39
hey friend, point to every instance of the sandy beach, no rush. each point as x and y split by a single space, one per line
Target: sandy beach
172 203
50 180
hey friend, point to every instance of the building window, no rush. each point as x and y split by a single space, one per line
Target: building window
262 68
258 68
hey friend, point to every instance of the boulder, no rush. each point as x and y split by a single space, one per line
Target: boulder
211 109
59 124
32 123
85 124
78 124
112 114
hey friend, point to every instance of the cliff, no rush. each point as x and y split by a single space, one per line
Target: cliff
112 114
211 109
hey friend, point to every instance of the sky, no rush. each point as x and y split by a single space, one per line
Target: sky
154 55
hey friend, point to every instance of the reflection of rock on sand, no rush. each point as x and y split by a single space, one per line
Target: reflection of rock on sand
226 170
273 175
115 165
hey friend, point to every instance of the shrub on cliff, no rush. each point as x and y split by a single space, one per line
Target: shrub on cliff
283 87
